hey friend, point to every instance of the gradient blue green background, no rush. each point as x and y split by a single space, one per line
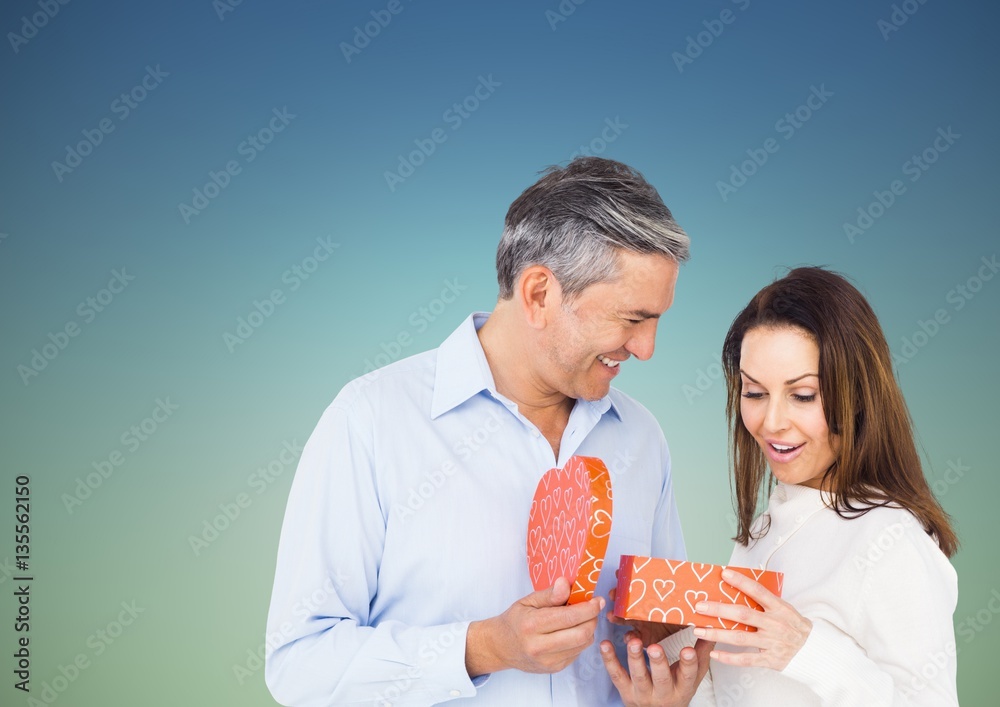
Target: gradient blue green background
324 176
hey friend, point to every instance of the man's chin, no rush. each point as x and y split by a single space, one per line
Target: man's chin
595 393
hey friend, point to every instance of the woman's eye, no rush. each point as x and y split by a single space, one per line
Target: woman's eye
805 398
752 395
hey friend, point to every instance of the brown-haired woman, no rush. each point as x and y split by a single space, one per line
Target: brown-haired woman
818 423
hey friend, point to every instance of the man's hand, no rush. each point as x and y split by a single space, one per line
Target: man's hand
537 634
661 684
649 632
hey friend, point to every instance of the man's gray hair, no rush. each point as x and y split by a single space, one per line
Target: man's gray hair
577 219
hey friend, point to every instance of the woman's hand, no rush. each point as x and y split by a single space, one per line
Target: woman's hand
649 632
781 630
661 684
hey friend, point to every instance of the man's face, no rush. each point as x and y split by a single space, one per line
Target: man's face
604 325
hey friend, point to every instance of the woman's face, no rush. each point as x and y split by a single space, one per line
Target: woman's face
781 405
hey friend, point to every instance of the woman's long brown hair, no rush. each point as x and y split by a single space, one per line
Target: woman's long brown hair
877 463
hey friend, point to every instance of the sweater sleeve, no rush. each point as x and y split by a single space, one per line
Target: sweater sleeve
672 646
901 650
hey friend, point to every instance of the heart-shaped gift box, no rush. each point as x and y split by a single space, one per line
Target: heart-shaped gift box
569 526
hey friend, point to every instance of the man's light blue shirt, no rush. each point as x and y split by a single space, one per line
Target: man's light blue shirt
407 519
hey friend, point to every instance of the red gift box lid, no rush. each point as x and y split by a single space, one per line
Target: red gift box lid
569 526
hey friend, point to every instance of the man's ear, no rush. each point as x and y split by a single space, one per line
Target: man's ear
539 295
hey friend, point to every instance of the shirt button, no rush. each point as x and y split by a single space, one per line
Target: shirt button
799 519
455 693
781 539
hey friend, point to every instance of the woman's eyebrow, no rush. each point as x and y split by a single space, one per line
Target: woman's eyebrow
787 382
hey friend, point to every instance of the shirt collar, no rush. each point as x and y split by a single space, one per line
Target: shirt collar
462 371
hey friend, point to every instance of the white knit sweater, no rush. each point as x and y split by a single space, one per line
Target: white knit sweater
880 595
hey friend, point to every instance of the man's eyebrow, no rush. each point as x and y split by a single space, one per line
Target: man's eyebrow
641 314
787 382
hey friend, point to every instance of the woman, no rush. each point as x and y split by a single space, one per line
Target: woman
818 422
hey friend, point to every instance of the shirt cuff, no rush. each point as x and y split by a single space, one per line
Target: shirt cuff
437 675
442 662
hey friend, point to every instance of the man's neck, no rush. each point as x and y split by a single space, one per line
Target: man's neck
509 358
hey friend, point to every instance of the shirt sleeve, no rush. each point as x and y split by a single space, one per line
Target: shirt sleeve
903 648
321 646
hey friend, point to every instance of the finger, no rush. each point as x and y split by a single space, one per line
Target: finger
755 590
556 595
563 617
659 670
559 592
734 612
559 618
648 632
637 665
617 673
743 639
554 651
572 638
685 672
745 659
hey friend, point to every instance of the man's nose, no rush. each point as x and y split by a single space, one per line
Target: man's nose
643 340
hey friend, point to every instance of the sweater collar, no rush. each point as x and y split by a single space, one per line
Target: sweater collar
797 500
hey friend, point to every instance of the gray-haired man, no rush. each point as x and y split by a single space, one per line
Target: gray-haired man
415 486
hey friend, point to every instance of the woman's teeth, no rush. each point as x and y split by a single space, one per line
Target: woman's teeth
608 362
781 448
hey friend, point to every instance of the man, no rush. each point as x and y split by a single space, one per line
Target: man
401 575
